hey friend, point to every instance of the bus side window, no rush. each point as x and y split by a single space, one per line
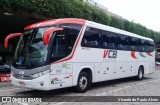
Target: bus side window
122 42
108 40
133 43
91 38
150 46
142 45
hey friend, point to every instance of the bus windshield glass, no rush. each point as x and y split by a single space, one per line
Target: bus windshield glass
30 50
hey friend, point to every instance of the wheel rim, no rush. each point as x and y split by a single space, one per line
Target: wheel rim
83 82
140 74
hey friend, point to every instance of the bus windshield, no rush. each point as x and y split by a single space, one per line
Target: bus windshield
30 50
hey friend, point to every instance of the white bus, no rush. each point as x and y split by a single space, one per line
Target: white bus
75 52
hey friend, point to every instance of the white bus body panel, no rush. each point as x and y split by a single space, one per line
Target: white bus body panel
123 64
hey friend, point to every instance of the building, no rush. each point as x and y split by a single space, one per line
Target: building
93 3
105 9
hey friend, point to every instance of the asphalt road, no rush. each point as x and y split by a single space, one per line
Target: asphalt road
149 86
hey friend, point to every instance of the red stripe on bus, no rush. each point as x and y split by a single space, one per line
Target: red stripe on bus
149 54
56 21
105 53
133 54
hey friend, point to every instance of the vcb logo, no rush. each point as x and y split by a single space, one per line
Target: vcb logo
110 53
105 53
6 99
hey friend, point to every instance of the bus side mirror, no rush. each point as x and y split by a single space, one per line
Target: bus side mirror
11 36
48 32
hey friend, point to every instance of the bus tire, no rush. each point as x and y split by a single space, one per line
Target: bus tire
140 73
83 83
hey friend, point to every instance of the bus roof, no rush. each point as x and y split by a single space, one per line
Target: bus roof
83 22
115 30
56 21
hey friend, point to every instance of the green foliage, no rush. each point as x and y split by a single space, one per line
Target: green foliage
75 9
117 23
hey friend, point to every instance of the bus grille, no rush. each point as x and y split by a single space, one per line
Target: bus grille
18 76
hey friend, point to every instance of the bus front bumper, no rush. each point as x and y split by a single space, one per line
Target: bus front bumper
40 83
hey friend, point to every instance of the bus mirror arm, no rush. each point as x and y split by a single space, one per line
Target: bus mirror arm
48 32
10 36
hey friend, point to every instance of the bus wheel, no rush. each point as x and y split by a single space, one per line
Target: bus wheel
140 74
83 82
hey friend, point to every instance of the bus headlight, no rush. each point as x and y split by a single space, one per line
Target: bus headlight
40 74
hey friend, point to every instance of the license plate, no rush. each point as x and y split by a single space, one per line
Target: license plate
21 83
